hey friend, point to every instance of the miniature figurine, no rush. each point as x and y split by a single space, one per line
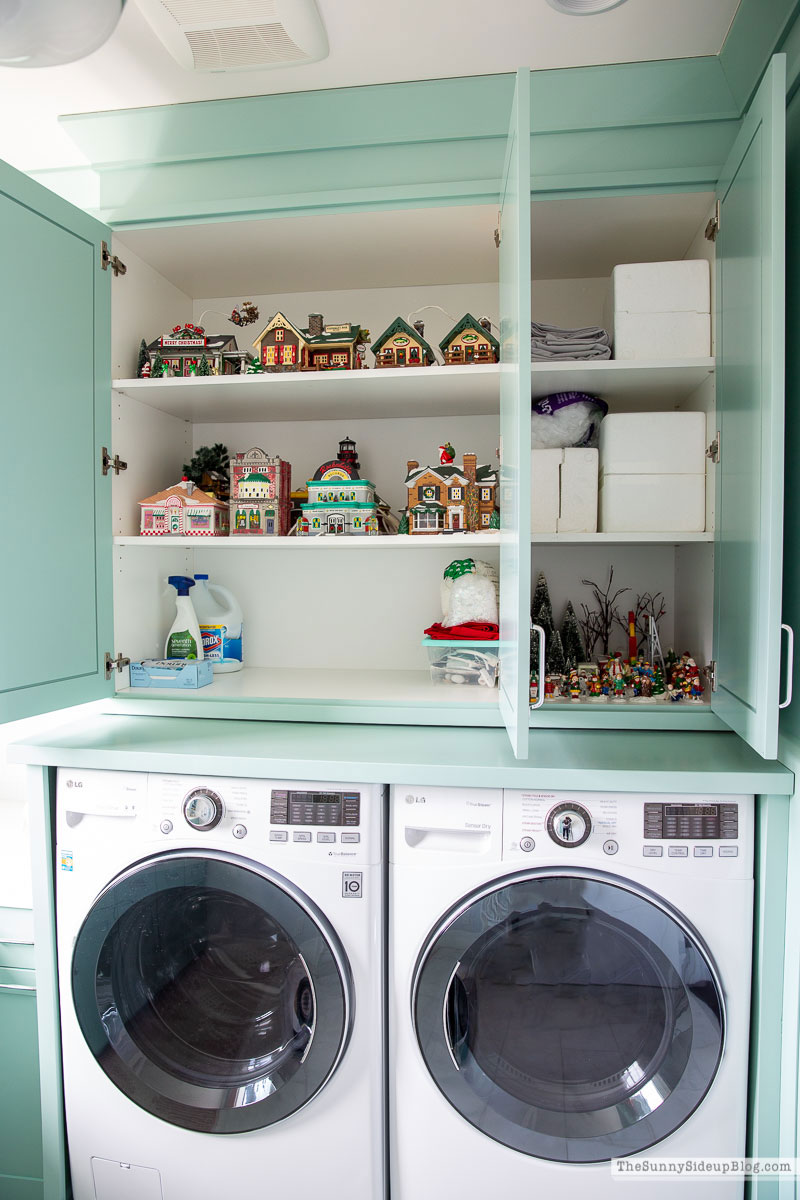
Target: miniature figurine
182 349
260 494
403 346
470 341
450 498
446 454
339 501
284 346
574 684
244 314
183 510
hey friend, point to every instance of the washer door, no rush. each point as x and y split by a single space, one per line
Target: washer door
570 1016
211 992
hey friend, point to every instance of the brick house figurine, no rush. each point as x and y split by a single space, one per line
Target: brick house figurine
183 510
182 350
403 346
470 341
260 499
339 501
451 498
284 346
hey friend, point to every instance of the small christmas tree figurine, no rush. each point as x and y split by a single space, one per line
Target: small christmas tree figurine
571 639
160 368
658 683
556 664
494 519
541 614
403 526
255 367
203 367
144 357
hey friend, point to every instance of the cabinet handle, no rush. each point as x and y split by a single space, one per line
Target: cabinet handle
541 633
17 987
789 666
14 942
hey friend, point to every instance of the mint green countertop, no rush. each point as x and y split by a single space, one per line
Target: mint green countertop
588 760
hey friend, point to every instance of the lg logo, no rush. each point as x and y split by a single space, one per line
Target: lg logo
415 799
74 783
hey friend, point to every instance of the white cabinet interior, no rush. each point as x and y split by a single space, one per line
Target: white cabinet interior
341 619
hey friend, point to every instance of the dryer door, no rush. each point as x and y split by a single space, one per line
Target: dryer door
213 993
570 1016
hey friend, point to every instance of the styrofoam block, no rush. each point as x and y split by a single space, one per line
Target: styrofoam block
652 504
667 335
545 483
653 443
578 493
661 287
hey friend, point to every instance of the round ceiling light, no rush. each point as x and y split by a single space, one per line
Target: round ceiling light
583 8
47 33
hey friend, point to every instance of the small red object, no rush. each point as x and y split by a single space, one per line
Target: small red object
632 637
475 631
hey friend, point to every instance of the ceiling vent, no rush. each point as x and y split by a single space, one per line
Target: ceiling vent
238 35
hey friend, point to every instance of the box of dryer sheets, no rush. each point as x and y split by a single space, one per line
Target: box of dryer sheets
652 473
564 490
172 673
660 310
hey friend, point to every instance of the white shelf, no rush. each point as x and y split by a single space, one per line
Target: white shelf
324 395
633 383
324 687
257 545
619 539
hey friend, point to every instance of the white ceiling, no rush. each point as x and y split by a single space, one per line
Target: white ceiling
369 43
573 239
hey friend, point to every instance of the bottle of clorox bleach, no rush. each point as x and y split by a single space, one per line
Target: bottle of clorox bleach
184 639
220 619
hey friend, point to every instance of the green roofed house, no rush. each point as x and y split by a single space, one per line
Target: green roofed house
339 501
282 345
470 341
402 345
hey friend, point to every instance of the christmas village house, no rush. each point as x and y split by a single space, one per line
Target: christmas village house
403 346
450 498
181 353
183 510
260 495
470 341
282 345
339 501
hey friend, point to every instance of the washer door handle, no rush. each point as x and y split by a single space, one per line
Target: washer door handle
454 1017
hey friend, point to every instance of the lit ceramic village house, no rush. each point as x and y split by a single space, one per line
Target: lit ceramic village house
181 352
450 498
183 510
260 494
320 347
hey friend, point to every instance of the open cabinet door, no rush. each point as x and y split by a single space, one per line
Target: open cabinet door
750 368
55 419
515 422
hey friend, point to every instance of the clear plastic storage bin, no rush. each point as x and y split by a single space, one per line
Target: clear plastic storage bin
460 662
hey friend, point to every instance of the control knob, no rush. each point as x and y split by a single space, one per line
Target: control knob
203 809
569 824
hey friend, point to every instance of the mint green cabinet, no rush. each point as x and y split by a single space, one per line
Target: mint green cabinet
750 413
21 1167
54 421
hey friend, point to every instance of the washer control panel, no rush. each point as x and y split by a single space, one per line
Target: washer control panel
202 808
569 824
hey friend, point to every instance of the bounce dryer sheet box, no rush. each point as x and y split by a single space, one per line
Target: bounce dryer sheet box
171 673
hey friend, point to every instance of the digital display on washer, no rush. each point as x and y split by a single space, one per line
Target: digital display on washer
315 808
694 822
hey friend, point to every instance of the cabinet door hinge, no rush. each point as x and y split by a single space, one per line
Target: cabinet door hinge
710 672
114 464
107 259
498 237
119 662
713 451
712 228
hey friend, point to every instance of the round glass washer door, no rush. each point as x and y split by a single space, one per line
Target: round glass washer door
570 1015
211 991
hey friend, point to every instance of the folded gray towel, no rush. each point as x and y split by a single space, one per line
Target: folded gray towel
550 341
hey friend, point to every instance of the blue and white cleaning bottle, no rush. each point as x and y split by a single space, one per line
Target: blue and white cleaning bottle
184 639
220 620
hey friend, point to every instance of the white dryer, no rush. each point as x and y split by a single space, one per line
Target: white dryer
569 984
220 946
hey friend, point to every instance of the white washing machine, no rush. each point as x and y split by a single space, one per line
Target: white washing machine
569 984
220 946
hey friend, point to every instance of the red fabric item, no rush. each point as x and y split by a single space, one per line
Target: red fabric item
469 631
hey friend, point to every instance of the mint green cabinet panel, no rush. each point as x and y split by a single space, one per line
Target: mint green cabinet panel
756 32
55 417
749 485
20 1104
515 400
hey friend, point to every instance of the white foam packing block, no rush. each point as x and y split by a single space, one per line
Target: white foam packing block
653 443
661 336
652 504
545 484
578 492
683 285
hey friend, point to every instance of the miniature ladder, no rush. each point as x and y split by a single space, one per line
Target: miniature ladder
654 643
